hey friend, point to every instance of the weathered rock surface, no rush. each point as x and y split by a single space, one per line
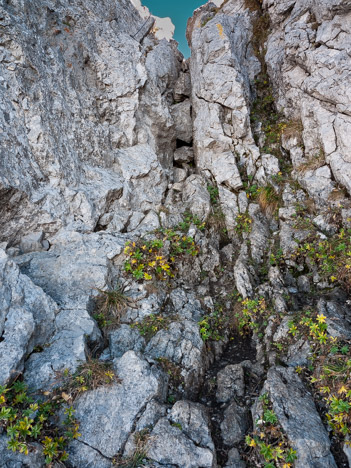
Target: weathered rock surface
27 318
230 383
234 425
68 112
291 403
169 446
308 64
115 408
182 344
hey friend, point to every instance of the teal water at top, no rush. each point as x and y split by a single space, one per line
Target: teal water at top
179 11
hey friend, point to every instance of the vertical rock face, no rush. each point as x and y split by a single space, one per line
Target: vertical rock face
221 66
237 162
79 84
309 65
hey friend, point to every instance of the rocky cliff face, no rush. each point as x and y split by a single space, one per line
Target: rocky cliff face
175 240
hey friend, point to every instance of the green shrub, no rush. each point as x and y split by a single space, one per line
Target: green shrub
26 420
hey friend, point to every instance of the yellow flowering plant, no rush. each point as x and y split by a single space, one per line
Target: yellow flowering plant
156 259
269 446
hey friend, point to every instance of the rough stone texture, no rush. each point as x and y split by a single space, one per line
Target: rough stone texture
68 110
234 460
184 154
221 66
230 383
125 339
194 421
182 344
235 424
299 354
241 273
338 318
27 318
96 115
291 403
309 66
116 408
195 197
170 446
70 273
181 114
33 242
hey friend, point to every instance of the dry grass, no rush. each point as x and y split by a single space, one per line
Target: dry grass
114 302
268 199
90 375
293 129
253 5
313 164
337 194
111 306
140 454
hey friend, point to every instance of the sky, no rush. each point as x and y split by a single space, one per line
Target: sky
179 11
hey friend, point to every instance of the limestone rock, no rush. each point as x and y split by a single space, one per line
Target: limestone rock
27 318
182 344
230 383
194 422
183 123
115 408
70 273
184 154
304 39
235 424
125 339
196 197
234 460
68 110
291 403
169 446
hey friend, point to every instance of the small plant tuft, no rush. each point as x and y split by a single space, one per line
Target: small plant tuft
268 199
243 223
151 324
111 305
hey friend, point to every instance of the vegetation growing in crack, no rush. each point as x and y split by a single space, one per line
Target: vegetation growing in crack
214 194
268 199
243 223
151 324
26 420
217 218
329 370
88 376
139 456
269 446
157 259
111 305
174 373
331 256
313 163
252 315
214 325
